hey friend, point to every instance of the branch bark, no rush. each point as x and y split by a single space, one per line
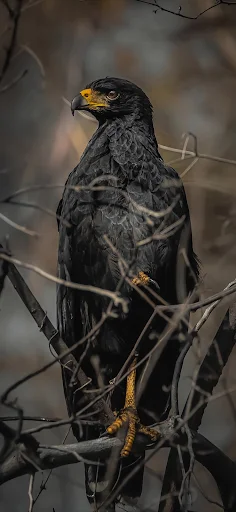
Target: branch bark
49 457
24 457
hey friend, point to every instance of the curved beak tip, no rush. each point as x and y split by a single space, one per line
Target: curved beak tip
78 103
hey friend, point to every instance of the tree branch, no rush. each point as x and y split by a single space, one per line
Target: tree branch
49 457
207 378
3 274
212 366
179 12
118 300
47 328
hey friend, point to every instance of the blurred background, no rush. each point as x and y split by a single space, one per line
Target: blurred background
188 69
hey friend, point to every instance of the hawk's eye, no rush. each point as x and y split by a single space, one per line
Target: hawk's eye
113 95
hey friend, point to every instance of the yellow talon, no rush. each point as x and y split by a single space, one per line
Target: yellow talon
150 432
128 416
117 424
141 279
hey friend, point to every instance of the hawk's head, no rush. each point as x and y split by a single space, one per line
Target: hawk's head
112 97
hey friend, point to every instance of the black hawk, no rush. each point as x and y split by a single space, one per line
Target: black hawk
129 231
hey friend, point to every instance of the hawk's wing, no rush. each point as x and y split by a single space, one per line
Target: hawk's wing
70 331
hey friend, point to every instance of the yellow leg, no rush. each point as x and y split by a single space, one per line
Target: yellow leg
129 416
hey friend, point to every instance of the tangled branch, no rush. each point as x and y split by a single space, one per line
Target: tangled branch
172 432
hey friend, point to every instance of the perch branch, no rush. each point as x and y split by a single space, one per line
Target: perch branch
49 457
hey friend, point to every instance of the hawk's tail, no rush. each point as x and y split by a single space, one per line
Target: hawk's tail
103 480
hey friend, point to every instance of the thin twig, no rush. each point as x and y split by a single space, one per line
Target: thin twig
39 207
179 12
18 226
28 418
69 284
30 492
64 353
14 82
3 274
199 155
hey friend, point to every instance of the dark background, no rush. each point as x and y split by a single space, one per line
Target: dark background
188 69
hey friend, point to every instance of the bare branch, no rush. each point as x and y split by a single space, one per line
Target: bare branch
14 82
212 366
30 492
52 335
48 457
18 226
3 274
179 12
39 207
69 284
28 418
35 57
206 379
204 156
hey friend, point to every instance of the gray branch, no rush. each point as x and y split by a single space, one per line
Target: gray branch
208 376
28 459
47 328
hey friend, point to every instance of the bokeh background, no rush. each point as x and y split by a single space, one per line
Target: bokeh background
188 69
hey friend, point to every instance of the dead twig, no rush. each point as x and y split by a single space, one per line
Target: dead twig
30 492
18 226
69 284
179 11
52 334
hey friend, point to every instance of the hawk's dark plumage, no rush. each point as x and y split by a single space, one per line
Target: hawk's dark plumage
122 155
